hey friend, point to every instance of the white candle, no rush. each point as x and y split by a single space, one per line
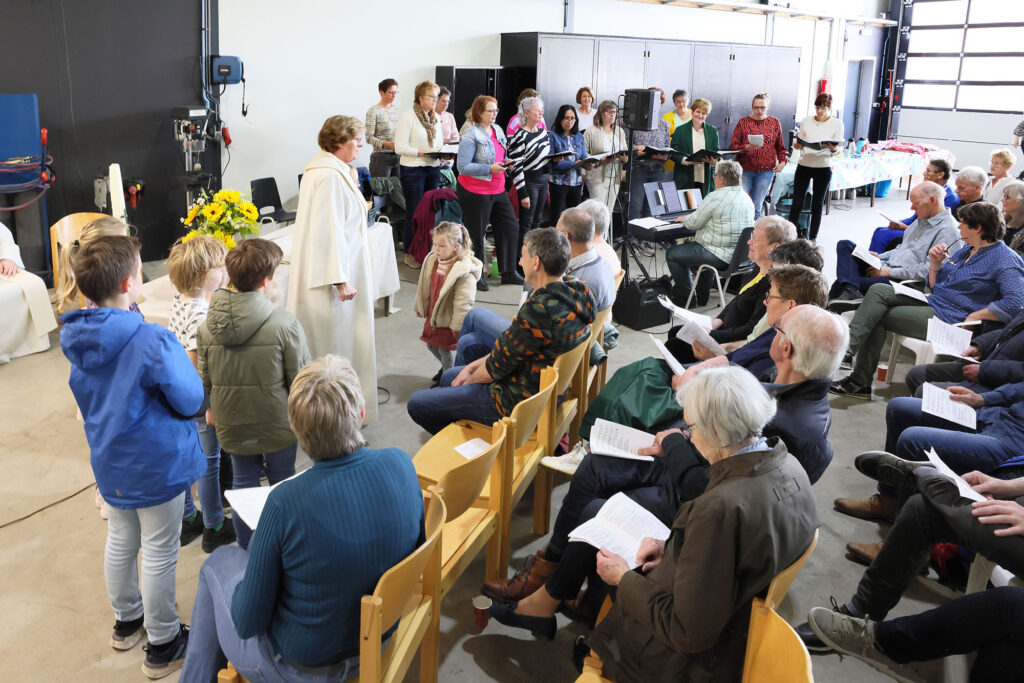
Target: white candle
117 208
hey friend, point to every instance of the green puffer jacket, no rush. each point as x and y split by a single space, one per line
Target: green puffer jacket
249 352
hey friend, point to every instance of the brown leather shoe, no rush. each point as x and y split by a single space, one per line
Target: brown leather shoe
579 609
864 553
526 580
877 507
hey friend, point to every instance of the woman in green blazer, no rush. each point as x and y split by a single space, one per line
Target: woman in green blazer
683 141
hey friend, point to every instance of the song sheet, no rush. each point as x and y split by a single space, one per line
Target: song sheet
962 486
939 402
619 526
619 441
948 340
901 288
867 257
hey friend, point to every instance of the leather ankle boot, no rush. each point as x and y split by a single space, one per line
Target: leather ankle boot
526 580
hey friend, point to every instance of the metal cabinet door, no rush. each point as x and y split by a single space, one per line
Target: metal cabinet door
783 85
711 80
620 65
564 65
669 67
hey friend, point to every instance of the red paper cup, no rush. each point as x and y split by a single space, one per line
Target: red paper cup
883 372
481 605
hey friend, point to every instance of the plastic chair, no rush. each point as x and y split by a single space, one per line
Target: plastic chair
265 194
525 444
65 231
774 651
739 265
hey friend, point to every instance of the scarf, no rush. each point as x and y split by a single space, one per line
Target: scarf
429 121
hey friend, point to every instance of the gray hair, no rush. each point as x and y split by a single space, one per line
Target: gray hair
932 190
526 105
819 340
777 230
730 172
1015 190
551 247
974 175
728 405
598 210
325 407
577 224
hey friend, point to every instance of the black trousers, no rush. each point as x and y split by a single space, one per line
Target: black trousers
805 175
943 374
480 209
563 197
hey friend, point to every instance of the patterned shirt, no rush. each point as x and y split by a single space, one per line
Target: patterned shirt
720 219
651 138
381 125
766 157
993 278
528 149
187 314
555 319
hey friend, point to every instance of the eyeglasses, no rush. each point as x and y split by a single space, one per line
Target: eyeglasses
769 297
568 118
490 111
778 328
430 97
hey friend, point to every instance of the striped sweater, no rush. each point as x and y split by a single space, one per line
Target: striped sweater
528 149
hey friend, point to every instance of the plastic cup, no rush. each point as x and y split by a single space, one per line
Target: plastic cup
481 605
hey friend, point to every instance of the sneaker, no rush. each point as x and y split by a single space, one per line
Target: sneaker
163 660
190 531
847 387
566 464
847 362
810 638
213 538
852 636
127 634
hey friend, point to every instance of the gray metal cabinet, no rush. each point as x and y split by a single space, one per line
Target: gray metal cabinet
564 65
620 65
668 66
712 81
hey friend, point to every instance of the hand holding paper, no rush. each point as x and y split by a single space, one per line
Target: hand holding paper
939 402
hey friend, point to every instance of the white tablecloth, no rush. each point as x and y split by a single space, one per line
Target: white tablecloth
158 294
855 171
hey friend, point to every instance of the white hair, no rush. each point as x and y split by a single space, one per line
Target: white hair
728 405
974 175
526 105
777 230
601 215
819 340
932 190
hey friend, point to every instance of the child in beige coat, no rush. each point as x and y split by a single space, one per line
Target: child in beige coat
446 291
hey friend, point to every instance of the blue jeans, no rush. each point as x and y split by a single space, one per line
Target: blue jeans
435 409
643 173
416 181
213 640
882 237
480 329
851 270
247 471
156 531
756 184
680 259
209 484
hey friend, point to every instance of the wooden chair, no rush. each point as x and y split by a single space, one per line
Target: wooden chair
525 444
65 231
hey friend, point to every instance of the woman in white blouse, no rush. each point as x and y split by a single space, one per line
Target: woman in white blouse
585 112
603 137
815 165
1002 161
419 134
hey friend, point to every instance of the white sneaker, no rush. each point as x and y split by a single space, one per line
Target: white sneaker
567 463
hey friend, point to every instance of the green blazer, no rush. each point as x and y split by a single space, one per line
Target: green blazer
682 140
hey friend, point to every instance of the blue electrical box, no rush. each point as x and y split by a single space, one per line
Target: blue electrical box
225 70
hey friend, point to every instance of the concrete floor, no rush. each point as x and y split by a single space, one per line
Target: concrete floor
58 621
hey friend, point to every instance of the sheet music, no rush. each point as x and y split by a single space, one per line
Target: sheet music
620 526
755 140
962 486
949 340
683 314
248 503
867 257
692 332
675 365
649 223
472 448
888 218
900 288
619 441
939 402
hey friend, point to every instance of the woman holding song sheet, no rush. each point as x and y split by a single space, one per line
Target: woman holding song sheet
605 138
693 136
825 132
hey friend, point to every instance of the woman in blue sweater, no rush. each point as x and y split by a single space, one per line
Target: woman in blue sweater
289 608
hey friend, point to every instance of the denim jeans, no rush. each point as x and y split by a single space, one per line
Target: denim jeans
480 329
416 181
213 640
156 531
435 409
642 173
209 484
756 184
881 238
680 259
851 270
530 218
247 471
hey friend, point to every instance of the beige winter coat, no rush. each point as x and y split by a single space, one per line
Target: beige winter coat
457 294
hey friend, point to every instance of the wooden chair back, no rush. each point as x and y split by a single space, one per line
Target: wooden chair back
619 277
568 364
774 650
779 586
461 486
66 231
528 412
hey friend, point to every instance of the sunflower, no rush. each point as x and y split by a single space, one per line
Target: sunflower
228 196
249 210
190 235
214 211
192 213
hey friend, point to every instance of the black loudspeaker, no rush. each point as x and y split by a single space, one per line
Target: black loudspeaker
636 305
641 108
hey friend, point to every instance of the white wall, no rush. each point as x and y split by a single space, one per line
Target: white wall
618 18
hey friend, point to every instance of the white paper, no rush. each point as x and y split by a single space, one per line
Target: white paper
948 340
755 140
867 257
619 441
675 365
472 448
939 402
900 288
620 526
691 332
962 486
248 503
889 218
648 222
703 320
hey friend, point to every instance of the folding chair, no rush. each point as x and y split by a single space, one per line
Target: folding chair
739 265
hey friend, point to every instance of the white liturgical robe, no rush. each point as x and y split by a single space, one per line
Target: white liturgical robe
24 307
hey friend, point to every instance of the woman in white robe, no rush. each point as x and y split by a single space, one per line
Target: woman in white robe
24 304
330 287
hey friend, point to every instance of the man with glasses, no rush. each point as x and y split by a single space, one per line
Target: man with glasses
762 156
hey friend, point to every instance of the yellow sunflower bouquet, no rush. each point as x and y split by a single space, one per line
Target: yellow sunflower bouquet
225 216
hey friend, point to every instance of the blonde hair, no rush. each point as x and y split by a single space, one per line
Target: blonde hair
456 234
424 88
67 287
325 406
1005 156
701 103
190 263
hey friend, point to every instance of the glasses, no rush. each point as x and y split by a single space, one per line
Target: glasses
430 97
490 111
568 118
778 328
769 297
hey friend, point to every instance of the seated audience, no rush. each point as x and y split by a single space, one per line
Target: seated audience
982 281
938 172
585 264
555 319
999 166
24 304
909 260
602 225
688 608
718 222
289 608
1013 214
970 183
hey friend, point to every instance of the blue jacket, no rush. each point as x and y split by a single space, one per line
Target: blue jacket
565 172
1002 352
137 390
802 420
755 356
476 151
1002 416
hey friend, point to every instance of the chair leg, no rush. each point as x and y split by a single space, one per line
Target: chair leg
543 482
721 292
894 353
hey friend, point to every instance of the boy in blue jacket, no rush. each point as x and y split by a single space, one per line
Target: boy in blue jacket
137 390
